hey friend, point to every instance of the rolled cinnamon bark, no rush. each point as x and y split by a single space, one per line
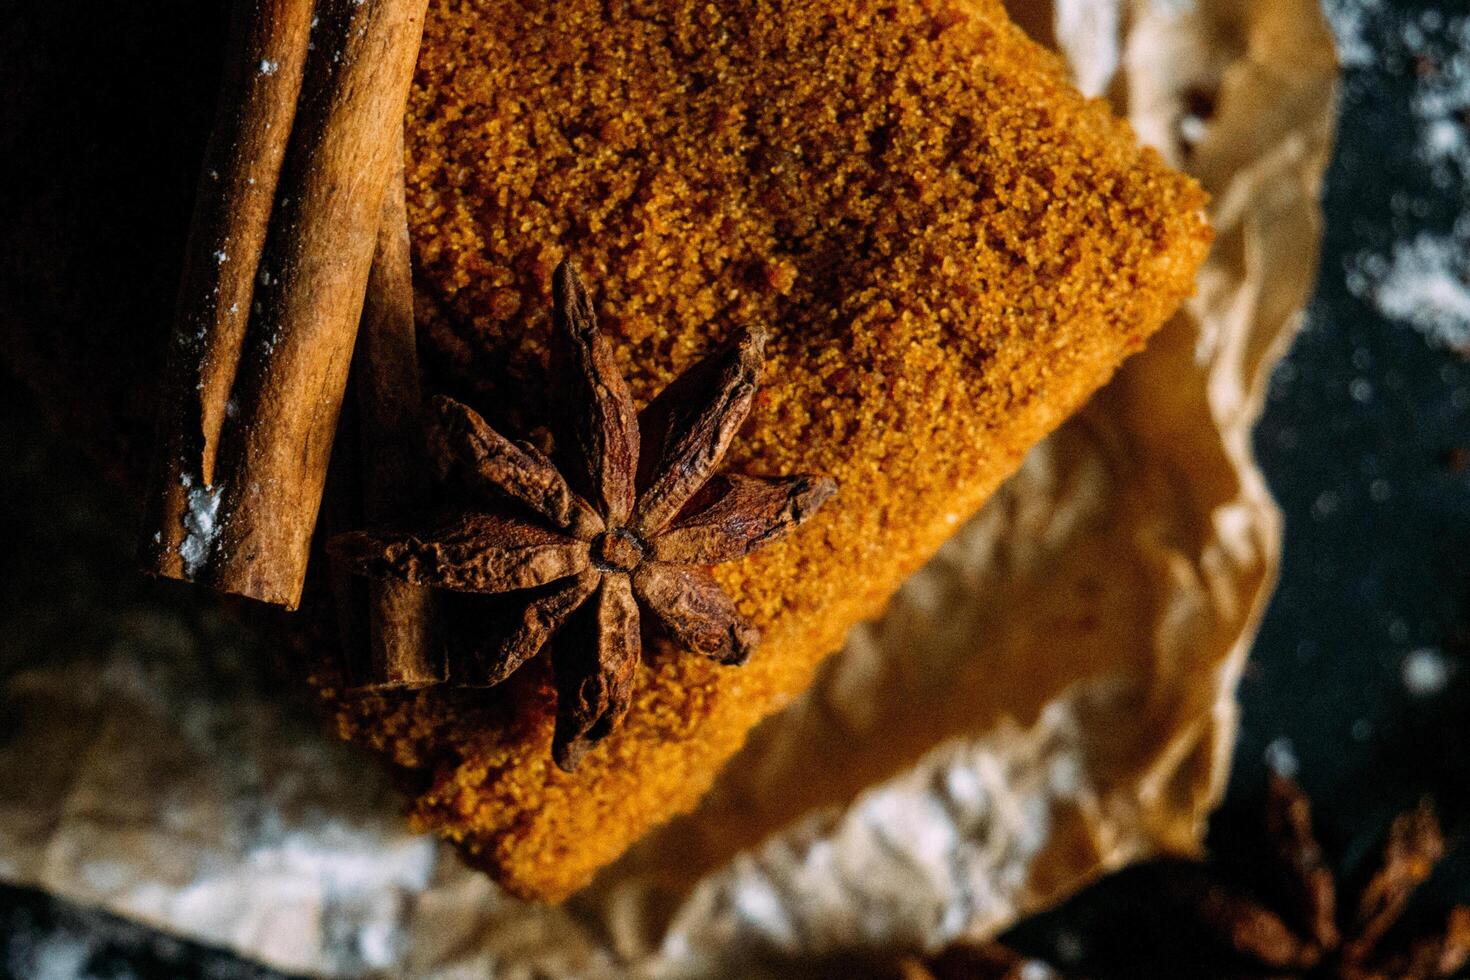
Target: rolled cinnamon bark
244 524
402 650
260 84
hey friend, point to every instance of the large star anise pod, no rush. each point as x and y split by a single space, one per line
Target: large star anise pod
629 523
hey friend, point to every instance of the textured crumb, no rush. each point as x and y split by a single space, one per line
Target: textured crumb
951 247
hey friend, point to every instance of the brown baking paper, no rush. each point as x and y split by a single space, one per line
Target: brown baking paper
1050 698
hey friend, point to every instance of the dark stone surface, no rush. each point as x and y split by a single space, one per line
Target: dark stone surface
1361 675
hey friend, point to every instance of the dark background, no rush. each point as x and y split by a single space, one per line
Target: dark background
1359 683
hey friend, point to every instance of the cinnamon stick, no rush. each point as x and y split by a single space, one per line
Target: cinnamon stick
246 526
259 87
402 646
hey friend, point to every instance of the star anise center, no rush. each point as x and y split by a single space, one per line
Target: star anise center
618 550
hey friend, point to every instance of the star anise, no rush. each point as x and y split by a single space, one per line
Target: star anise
1266 906
1307 931
630 522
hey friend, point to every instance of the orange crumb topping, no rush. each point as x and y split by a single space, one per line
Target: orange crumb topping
952 248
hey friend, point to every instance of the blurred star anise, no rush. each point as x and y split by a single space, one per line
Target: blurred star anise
629 523
1313 929
1265 906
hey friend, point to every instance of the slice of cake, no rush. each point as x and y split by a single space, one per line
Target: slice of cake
950 248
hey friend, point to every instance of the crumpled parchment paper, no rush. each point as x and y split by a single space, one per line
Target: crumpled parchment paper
1050 698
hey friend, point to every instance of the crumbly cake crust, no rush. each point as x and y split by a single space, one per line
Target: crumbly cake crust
951 247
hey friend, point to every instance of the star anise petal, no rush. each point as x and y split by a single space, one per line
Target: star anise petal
594 657
1442 955
473 454
1240 922
539 621
470 553
1414 846
689 426
1449 953
1305 882
605 431
744 513
696 613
